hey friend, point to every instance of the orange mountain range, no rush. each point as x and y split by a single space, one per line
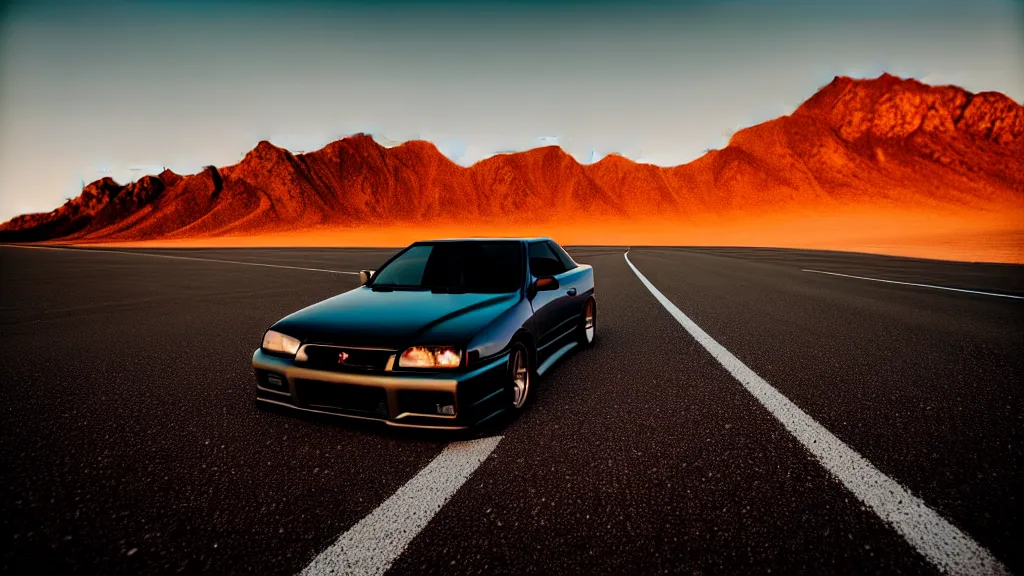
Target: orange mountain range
882 165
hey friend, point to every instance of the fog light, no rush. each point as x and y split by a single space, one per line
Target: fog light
447 410
275 381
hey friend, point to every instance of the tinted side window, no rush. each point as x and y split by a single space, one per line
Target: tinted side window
562 255
543 261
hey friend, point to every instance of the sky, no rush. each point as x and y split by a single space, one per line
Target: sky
123 89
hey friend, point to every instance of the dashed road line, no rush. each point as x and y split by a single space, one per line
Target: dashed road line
105 251
941 543
373 544
915 284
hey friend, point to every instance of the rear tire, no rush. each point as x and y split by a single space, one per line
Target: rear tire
588 323
519 375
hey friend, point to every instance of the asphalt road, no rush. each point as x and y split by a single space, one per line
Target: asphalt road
131 444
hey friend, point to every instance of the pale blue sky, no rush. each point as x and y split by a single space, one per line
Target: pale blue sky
124 88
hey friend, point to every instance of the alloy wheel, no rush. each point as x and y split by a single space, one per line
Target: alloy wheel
589 325
520 369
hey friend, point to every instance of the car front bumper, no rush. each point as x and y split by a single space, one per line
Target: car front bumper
395 398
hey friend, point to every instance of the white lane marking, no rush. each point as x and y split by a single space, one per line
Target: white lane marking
375 542
943 544
105 251
915 284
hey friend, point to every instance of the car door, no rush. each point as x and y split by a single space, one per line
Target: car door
573 283
548 305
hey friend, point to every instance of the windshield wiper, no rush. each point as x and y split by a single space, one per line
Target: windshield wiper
393 287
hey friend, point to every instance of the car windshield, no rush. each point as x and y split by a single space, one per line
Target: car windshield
481 267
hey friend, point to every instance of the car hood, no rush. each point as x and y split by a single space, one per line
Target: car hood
362 317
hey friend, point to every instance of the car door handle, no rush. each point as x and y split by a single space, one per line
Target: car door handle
571 291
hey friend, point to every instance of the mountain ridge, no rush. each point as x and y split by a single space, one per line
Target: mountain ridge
883 142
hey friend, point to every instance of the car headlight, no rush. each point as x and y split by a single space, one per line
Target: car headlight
430 357
280 343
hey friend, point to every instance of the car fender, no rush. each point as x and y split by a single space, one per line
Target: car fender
494 338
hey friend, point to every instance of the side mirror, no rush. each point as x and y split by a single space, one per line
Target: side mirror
546 283
365 275
542 284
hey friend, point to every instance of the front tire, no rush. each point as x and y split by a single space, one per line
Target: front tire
519 373
588 323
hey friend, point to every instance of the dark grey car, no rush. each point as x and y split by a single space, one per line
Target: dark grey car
446 334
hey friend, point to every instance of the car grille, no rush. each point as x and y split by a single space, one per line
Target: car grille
356 360
369 401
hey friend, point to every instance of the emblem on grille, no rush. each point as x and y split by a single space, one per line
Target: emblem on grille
342 356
